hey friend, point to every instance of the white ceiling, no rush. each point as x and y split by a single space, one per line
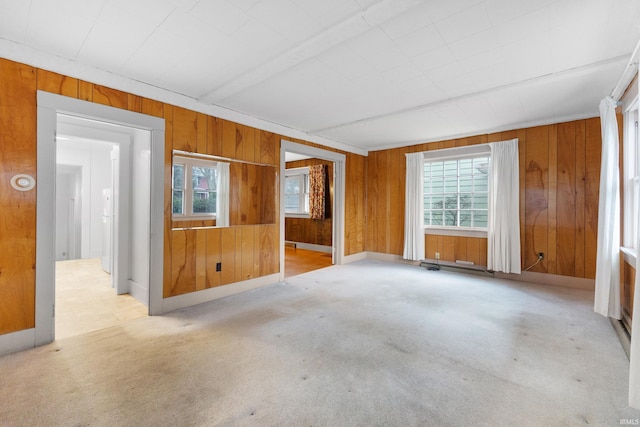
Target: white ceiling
368 74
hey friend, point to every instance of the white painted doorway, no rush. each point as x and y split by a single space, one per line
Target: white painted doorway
339 162
139 235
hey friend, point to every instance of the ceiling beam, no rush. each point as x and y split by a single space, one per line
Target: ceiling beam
349 28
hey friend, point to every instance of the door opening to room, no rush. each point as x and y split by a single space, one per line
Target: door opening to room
308 210
92 212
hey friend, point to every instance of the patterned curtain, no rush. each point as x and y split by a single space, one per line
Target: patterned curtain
317 189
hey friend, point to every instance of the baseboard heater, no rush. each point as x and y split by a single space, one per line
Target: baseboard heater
468 266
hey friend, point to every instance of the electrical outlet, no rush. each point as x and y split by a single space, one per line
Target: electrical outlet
218 266
540 255
437 255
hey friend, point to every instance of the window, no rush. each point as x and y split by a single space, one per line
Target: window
456 192
296 191
631 176
194 185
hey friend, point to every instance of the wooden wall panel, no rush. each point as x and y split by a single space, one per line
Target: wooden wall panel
536 195
183 262
566 217
593 152
185 130
213 256
17 209
110 97
354 204
559 184
57 83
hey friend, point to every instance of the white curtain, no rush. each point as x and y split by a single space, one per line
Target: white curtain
414 208
607 295
222 200
634 368
503 236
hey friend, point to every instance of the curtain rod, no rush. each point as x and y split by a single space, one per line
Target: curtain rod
629 72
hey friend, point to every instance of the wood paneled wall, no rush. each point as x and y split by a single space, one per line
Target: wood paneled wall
307 230
190 256
559 184
17 209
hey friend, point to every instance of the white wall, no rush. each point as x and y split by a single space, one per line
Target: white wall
140 211
94 158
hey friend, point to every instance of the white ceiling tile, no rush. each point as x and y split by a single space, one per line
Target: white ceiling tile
408 22
474 45
501 11
135 21
370 43
434 58
284 17
14 19
387 59
402 74
464 24
442 9
222 15
61 28
420 41
260 37
329 12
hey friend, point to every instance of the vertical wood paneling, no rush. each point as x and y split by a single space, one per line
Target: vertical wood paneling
228 255
110 97
57 83
167 110
593 152
536 194
85 90
201 259
183 262
247 245
213 256
201 134
551 254
185 129
355 204
17 209
566 217
580 192
397 180
214 136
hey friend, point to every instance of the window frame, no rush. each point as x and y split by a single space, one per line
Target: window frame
303 196
187 198
630 176
458 153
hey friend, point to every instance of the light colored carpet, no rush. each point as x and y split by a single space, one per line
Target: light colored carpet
369 343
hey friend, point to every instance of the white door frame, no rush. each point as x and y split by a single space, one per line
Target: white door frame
339 161
49 106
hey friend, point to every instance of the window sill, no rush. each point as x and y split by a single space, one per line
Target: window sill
194 218
455 232
296 215
629 255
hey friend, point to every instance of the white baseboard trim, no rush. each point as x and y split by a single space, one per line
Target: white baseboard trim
312 247
379 256
348 259
526 276
139 292
17 341
206 295
550 279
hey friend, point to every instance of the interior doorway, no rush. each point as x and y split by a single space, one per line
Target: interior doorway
138 214
309 186
89 195
326 246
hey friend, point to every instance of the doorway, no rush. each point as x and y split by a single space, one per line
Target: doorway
138 213
331 250
309 183
89 194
